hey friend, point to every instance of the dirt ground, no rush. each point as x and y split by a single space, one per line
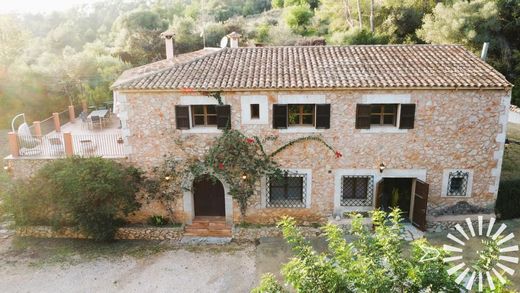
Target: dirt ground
42 265
65 265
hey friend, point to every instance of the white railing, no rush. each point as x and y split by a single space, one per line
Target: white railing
57 145
103 145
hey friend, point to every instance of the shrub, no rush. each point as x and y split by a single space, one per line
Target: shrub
269 284
92 195
507 205
158 221
373 262
5 184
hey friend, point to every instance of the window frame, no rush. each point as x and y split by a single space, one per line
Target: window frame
205 115
446 182
305 202
366 201
464 177
382 114
301 114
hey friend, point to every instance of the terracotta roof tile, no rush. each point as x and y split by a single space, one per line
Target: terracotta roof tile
372 66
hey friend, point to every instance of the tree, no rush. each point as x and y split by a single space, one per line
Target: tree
401 23
372 262
12 40
136 36
298 18
277 3
467 23
187 38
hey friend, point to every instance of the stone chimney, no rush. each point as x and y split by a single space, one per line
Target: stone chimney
169 39
233 37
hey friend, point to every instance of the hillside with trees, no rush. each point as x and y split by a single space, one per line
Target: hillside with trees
47 60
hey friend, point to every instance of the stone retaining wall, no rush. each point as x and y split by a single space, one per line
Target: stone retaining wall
441 223
125 233
252 234
435 224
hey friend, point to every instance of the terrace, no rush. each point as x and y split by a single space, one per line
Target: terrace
91 133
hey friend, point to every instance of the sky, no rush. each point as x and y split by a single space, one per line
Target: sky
36 6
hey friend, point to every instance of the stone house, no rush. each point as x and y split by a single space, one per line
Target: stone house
421 127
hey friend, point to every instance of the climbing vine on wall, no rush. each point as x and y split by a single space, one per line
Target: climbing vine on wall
238 160
242 161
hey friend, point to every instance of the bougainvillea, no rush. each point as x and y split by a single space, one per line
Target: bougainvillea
241 162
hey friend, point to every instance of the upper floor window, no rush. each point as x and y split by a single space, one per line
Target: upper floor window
255 111
297 115
302 115
397 115
218 116
204 115
383 114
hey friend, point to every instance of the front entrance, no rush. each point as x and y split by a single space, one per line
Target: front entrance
208 197
410 195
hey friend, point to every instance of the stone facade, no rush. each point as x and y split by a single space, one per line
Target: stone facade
454 129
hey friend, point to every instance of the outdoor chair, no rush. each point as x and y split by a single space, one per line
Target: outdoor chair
28 144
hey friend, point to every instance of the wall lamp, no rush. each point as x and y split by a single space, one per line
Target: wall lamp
382 167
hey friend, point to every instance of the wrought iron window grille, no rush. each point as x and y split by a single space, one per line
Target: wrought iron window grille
288 191
457 183
357 190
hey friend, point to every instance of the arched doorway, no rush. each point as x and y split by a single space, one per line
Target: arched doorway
208 197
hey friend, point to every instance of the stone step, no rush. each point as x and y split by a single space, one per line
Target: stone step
208 233
197 229
208 219
194 240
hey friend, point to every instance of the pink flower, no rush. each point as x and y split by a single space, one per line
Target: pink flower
221 166
250 140
338 154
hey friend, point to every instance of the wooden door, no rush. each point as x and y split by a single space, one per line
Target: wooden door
379 193
420 204
208 197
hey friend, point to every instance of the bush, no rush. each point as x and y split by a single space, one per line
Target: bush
158 221
92 195
5 183
374 261
507 205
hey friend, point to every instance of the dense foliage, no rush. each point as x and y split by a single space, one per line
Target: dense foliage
373 262
48 60
507 205
92 195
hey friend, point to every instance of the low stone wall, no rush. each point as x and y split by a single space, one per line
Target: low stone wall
254 233
441 223
125 233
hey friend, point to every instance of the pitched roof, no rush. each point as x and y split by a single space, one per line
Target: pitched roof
146 69
370 66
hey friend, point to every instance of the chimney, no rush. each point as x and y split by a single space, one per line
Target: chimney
234 39
485 48
169 38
